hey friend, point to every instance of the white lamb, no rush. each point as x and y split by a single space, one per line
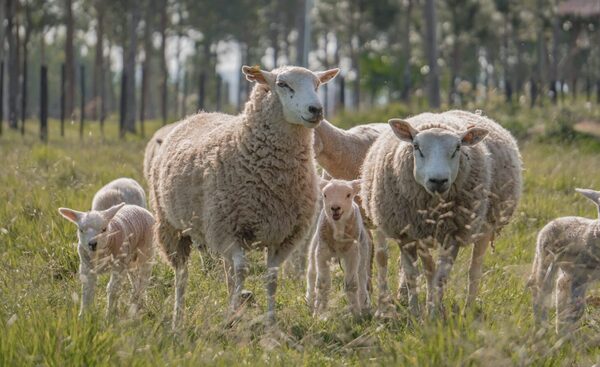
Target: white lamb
340 234
116 240
569 246
122 190
244 185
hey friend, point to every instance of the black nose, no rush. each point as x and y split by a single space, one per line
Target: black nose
438 181
437 184
335 208
93 245
315 110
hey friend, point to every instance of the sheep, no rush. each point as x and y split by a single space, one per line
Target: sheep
243 185
153 148
569 246
121 190
116 240
433 179
340 234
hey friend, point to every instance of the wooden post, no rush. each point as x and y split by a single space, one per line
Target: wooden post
201 91
1 95
44 104
122 112
143 99
62 100
342 81
219 85
185 92
82 111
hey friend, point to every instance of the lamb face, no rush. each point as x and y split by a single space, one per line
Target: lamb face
436 153
296 88
338 197
91 226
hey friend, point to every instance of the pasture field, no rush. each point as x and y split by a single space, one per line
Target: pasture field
39 287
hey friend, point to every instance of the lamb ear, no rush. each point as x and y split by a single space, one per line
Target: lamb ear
590 194
403 130
71 215
473 135
254 74
356 186
109 213
327 75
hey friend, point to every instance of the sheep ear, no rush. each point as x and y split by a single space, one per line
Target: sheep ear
322 183
473 135
356 186
327 75
590 194
254 74
109 213
403 130
71 215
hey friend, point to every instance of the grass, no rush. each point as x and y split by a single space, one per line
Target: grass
39 288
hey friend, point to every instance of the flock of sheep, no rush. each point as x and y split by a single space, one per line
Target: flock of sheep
232 184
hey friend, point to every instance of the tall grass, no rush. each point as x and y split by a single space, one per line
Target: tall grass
39 288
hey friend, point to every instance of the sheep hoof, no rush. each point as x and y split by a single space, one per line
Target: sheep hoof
247 298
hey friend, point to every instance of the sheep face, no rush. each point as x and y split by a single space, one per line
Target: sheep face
297 90
91 226
436 153
338 197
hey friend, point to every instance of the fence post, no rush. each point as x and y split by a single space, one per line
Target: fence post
44 103
82 111
62 100
122 106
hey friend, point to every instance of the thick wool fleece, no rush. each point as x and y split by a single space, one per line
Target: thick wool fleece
402 208
153 147
250 182
341 152
121 190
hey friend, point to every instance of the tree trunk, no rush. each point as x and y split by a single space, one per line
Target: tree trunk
98 79
44 103
26 39
300 25
433 80
63 98
130 57
123 106
146 65
163 60
82 99
407 50
13 64
69 61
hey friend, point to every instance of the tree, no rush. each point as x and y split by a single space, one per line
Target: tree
69 59
433 78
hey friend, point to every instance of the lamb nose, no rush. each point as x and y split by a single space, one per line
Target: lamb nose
93 245
335 208
315 110
438 181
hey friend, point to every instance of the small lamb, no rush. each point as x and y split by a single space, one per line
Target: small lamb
122 190
340 234
118 239
571 246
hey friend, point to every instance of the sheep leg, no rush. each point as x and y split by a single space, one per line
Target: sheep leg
544 276
409 259
575 307
311 274
111 291
562 298
381 257
239 276
351 282
429 267
88 288
364 276
443 268
323 283
475 270
181 276
275 257
139 288
228 266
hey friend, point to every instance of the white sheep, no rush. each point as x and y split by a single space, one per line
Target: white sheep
433 179
121 190
340 234
243 185
116 240
569 246
153 148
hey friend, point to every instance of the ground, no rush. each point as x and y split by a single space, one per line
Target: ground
39 288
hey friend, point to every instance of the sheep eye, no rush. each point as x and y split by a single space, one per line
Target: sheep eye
80 230
103 230
281 84
348 195
456 151
418 149
324 195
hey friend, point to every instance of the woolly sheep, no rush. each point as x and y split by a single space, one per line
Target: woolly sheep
243 185
116 240
121 190
569 246
340 234
441 183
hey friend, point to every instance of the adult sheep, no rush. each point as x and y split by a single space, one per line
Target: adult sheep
242 185
452 179
153 147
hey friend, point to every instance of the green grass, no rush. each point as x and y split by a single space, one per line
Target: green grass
39 288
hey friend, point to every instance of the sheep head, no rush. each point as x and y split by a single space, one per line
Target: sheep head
297 90
91 226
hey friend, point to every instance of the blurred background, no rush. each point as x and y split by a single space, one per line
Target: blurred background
130 61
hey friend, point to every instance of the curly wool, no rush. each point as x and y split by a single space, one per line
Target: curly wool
485 192
153 147
250 182
121 190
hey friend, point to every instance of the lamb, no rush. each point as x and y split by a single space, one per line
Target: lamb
433 179
116 240
244 185
569 246
153 147
340 234
121 190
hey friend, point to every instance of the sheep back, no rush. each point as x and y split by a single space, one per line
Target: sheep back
121 190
